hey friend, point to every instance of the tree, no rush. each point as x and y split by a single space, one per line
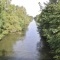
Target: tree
12 18
49 27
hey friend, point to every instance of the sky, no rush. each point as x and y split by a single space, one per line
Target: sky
32 6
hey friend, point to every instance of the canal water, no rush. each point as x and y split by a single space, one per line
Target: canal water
27 47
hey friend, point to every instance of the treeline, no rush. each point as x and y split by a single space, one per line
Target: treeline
12 18
49 26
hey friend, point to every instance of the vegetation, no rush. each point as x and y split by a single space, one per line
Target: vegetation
12 18
49 27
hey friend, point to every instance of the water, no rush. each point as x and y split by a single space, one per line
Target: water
28 47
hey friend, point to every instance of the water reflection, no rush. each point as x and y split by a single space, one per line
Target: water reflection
43 50
6 45
26 48
4 52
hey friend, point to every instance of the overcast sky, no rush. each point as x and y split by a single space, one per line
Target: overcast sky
31 6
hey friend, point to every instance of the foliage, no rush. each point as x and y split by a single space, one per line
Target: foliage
12 18
53 1
49 27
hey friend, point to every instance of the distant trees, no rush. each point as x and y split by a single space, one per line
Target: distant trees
12 18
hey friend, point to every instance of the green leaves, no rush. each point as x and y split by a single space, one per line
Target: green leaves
49 21
12 18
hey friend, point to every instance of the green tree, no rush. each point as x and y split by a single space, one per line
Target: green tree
49 27
12 18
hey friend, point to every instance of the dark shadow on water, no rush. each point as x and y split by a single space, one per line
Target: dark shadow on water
3 54
44 50
14 58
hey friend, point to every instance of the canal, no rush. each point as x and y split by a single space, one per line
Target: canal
27 47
